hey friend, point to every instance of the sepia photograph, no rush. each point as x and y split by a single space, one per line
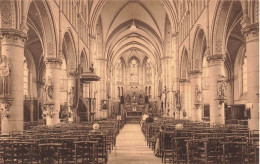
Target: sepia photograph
129 81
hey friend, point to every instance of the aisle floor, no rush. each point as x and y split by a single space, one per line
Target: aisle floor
131 148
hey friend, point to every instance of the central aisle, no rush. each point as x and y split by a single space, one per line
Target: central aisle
131 148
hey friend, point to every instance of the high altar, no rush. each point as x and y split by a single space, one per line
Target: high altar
134 105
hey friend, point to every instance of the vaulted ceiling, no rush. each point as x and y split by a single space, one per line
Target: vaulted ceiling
116 19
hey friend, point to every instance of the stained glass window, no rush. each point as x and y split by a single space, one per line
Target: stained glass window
133 71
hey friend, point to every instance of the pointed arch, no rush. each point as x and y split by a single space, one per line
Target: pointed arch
40 10
199 48
185 64
69 50
84 64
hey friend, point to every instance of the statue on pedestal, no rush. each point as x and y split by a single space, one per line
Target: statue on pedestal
221 87
128 99
197 93
71 95
4 74
134 98
48 89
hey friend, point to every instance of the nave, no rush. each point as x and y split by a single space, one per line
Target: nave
131 148
74 72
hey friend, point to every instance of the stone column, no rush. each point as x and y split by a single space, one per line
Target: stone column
32 109
72 98
12 45
184 86
216 69
196 109
175 61
252 52
53 67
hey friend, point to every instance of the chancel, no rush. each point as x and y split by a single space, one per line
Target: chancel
129 81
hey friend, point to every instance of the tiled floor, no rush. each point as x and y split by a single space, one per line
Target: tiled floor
131 148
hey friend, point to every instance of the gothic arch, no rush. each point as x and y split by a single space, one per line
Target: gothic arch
84 63
69 51
136 58
199 48
40 10
185 64
226 13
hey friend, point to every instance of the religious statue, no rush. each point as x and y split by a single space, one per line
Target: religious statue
91 68
221 87
197 93
4 73
128 99
71 94
140 101
48 89
134 98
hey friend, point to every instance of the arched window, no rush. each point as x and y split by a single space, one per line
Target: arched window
133 71
244 71
119 72
148 71
25 78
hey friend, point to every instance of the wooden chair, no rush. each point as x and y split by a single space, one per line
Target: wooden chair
50 152
85 152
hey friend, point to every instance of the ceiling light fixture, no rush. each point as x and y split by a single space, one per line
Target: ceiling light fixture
133 27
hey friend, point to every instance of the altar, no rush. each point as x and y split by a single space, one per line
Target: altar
134 106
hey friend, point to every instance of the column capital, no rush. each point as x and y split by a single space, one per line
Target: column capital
72 74
216 59
165 58
53 63
13 37
251 32
195 73
184 80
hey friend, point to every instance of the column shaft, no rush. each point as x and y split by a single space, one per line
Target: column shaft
252 52
185 108
216 69
12 45
53 66
72 99
196 109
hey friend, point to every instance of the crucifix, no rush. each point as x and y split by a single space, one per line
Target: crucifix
165 92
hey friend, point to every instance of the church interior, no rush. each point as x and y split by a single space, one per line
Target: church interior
129 81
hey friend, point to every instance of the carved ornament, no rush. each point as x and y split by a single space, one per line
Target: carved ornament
194 73
13 37
251 32
216 59
53 63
